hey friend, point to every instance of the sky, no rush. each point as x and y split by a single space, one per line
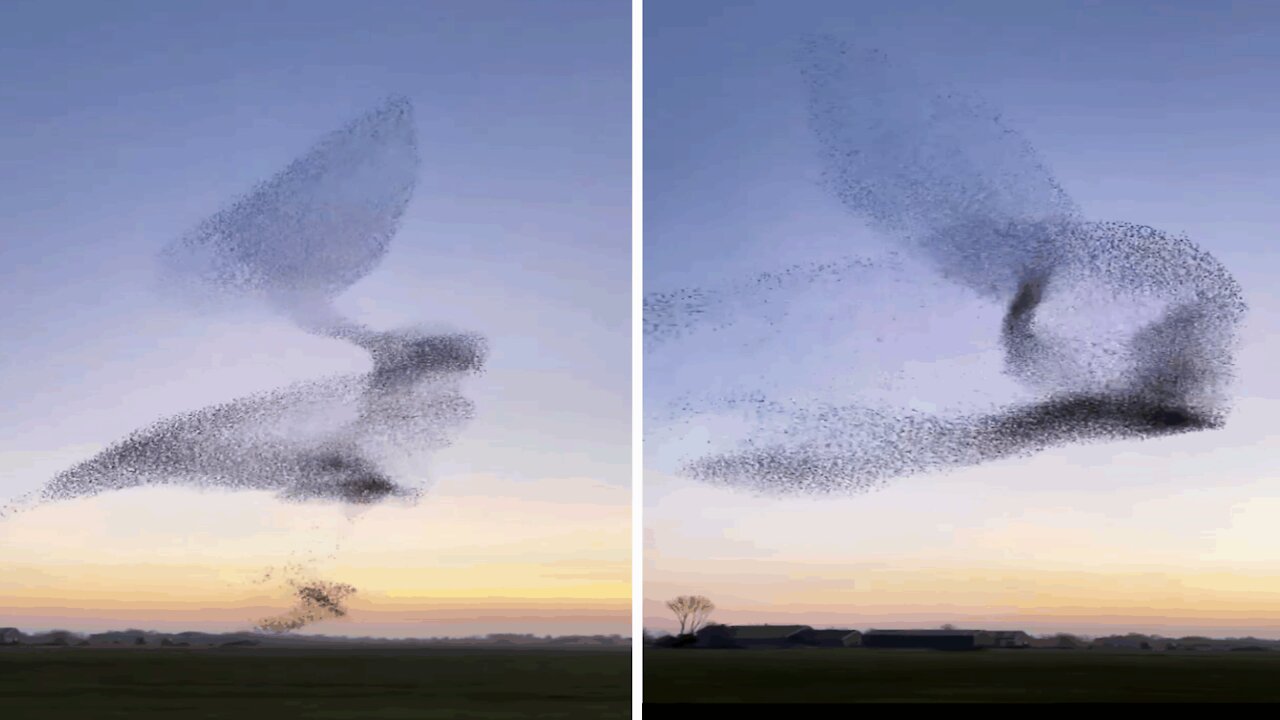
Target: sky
127 124
1155 113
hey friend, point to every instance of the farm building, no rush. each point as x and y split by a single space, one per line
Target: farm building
1010 639
927 639
819 638
10 636
752 636
1061 641
716 636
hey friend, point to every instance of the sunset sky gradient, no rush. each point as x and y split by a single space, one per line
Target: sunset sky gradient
1159 113
125 124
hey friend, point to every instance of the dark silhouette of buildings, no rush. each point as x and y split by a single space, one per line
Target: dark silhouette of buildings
928 639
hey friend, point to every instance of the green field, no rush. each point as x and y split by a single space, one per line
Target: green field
862 675
54 683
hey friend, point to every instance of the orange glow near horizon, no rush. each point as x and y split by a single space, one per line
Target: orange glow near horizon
1152 537
477 555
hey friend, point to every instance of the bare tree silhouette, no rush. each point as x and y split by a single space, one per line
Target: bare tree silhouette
692 611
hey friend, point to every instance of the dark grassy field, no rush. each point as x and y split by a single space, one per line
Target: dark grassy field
54 683
861 675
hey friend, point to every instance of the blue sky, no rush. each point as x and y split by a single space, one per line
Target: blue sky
127 123
1155 113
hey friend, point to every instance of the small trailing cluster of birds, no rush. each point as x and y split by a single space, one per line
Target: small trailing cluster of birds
315 601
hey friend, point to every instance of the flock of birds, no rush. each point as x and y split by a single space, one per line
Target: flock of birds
965 201
294 243
937 173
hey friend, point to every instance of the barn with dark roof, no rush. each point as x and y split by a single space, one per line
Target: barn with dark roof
928 639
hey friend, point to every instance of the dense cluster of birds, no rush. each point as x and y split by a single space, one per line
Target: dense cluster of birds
296 242
1115 329
315 600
